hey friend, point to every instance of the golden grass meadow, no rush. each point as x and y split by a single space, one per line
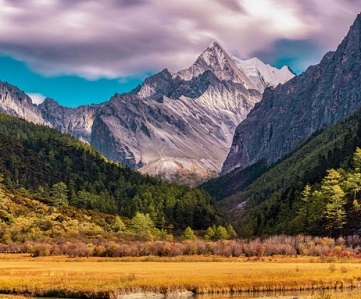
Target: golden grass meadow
108 277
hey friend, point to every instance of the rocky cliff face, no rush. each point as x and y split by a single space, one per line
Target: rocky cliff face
74 121
174 126
290 113
15 102
178 125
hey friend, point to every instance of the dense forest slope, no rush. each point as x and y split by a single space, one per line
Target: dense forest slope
63 170
272 203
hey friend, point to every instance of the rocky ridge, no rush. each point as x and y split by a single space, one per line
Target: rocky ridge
292 112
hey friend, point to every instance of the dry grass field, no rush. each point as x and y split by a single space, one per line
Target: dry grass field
102 277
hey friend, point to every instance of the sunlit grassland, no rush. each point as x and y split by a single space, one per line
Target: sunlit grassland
102 277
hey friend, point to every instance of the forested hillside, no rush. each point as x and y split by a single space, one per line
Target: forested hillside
272 203
63 171
335 203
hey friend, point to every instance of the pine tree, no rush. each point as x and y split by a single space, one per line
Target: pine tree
352 184
188 234
143 225
59 194
357 160
335 209
209 234
221 233
332 178
2 194
305 211
231 232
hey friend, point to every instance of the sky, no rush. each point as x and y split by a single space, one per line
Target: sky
84 51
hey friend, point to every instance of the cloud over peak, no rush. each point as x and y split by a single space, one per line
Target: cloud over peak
112 39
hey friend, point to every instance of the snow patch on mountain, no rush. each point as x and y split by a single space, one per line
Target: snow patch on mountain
217 60
263 75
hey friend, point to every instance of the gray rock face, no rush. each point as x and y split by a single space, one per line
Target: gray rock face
290 113
174 125
15 102
185 131
74 121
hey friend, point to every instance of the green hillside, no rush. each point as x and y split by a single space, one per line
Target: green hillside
63 171
237 180
271 203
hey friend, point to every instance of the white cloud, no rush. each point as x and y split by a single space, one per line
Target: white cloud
115 38
37 98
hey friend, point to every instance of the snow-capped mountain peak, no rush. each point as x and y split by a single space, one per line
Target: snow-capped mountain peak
263 75
251 73
217 60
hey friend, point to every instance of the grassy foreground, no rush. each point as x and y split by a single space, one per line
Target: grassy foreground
102 277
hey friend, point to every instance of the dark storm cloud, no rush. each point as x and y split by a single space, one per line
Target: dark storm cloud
114 38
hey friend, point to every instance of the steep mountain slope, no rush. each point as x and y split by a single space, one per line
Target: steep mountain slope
182 131
38 159
177 125
15 102
173 126
271 204
75 121
290 113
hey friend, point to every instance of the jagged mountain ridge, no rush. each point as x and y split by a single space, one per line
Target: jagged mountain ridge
173 125
310 102
180 123
75 121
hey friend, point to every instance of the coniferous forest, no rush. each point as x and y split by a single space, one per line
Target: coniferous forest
278 201
62 171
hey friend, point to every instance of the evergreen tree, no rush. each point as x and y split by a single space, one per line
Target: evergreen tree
335 209
305 211
143 225
221 233
36 158
188 235
357 160
209 234
2 194
352 184
332 178
59 194
231 232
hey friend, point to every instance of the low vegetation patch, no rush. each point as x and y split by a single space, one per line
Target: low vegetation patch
328 249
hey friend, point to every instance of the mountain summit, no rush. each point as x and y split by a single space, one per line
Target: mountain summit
174 126
291 113
218 61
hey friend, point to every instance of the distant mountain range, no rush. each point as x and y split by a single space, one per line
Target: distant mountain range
175 126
